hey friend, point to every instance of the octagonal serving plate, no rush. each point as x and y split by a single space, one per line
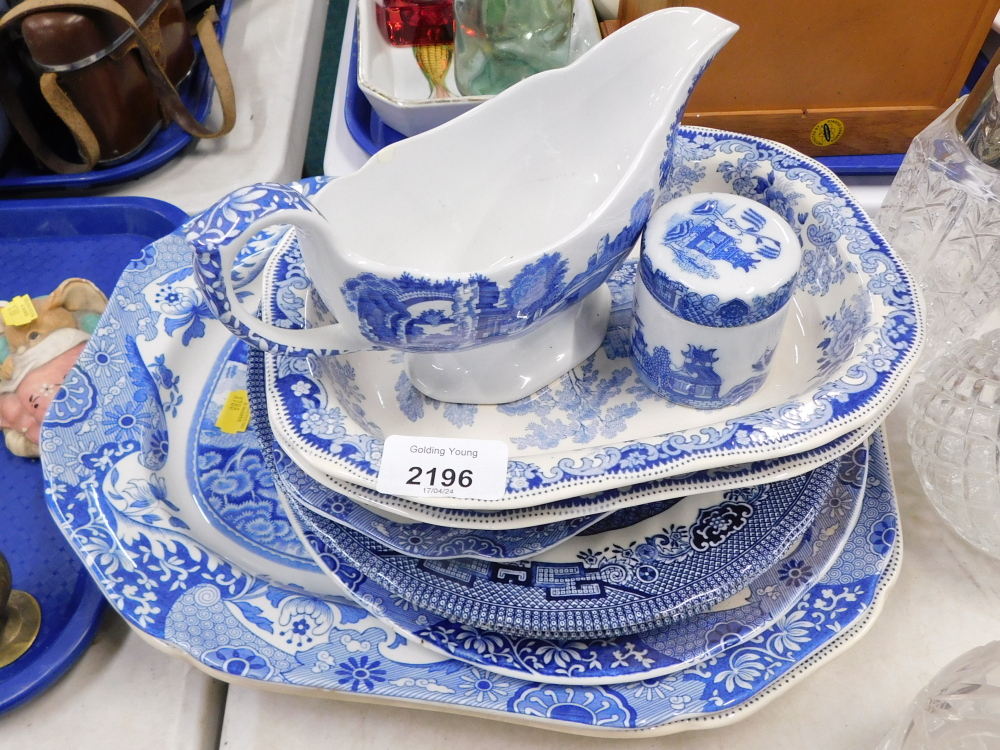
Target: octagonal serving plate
415 538
340 501
118 490
321 491
852 337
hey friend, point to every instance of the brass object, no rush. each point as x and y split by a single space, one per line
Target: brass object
20 618
24 619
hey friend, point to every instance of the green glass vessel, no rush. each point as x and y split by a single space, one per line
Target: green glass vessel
500 42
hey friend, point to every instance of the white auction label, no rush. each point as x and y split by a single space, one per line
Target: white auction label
428 467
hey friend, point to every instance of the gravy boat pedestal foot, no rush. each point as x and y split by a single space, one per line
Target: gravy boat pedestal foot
512 369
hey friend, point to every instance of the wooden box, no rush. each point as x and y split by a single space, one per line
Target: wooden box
849 77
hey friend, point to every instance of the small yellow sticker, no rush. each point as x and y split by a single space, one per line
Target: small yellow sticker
827 132
19 311
235 415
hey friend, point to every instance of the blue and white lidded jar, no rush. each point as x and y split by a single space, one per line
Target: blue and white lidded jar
715 276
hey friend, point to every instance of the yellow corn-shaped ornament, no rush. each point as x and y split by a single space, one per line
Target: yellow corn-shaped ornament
434 61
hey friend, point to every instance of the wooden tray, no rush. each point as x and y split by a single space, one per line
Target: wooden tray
853 77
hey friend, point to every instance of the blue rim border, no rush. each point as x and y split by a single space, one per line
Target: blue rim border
262 602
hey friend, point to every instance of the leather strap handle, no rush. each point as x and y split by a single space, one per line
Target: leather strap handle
62 105
173 107
85 139
170 100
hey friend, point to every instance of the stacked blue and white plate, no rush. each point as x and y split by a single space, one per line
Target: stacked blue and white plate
647 563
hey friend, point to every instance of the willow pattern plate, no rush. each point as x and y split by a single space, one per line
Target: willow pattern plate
654 652
658 571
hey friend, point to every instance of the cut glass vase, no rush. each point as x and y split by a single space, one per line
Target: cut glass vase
942 215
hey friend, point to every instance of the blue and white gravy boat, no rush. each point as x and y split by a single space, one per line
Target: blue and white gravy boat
481 247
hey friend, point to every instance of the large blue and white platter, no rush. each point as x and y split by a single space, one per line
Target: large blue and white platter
288 302
853 334
651 653
491 539
116 465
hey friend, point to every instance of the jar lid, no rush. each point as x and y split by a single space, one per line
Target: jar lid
719 259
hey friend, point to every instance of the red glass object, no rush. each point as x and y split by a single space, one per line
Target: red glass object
408 23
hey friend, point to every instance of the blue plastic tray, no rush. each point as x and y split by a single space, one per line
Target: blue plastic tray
43 242
196 91
372 134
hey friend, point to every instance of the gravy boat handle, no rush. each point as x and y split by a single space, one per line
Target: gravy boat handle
217 239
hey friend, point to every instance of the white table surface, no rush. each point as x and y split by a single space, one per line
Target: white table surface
122 693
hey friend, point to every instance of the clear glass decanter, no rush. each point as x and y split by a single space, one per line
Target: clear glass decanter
942 215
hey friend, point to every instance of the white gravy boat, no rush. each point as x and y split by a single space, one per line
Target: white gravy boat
481 247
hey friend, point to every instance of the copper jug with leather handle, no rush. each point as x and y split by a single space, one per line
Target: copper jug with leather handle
109 72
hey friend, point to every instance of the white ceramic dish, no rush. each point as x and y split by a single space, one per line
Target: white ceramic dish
656 572
853 334
711 297
413 538
286 293
725 478
400 92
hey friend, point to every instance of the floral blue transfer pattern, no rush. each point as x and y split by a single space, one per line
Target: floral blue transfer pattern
227 471
478 309
418 539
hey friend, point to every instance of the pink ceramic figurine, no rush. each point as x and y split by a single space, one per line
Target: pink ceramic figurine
35 357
